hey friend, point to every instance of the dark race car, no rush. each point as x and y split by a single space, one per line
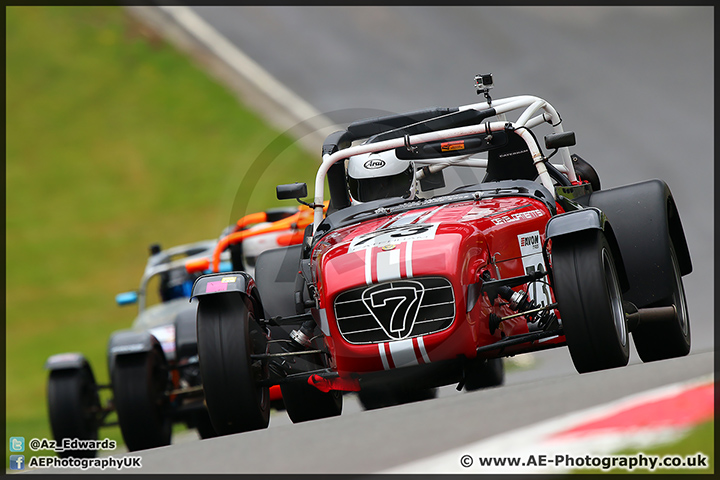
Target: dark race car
153 365
155 378
450 242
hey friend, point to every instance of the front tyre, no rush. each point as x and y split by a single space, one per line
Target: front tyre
661 340
227 335
589 300
140 384
74 407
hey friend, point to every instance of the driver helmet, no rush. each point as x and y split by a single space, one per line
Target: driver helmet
376 175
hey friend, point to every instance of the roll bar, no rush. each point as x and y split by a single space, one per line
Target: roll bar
529 118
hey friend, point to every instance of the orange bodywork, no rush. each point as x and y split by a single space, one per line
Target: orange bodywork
294 225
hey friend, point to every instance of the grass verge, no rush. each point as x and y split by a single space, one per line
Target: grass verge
699 440
114 141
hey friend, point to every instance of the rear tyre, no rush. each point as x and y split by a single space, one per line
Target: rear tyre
661 340
227 335
590 303
140 383
304 402
74 407
484 373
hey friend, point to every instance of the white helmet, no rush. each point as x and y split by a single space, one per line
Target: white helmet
380 175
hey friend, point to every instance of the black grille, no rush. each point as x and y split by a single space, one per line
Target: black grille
395 310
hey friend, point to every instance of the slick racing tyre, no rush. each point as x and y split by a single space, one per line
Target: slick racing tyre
304 402
203 424
74 408
661 340
227 335
484 373
140 385
589 300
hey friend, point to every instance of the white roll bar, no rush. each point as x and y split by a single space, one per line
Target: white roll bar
526 121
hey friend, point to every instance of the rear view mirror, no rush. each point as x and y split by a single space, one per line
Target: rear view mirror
291 190
126 298
554 141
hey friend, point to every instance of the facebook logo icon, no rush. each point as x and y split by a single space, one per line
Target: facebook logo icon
17 462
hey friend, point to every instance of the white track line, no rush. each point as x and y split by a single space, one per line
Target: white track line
261 79
533 440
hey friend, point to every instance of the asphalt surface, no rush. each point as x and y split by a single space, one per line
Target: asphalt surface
634 83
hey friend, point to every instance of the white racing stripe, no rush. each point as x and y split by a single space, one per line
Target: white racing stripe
383 357
368 266
388 265
403 353
408 260
423 352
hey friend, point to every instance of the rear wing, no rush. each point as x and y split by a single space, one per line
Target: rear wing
414 129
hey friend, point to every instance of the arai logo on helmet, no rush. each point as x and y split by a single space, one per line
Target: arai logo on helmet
374 163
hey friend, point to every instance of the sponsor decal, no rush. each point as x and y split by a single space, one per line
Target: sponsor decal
394 236
532 260
374 163
451 146
503 155
392 246
229 279
529 243
395 306
213 287
517 216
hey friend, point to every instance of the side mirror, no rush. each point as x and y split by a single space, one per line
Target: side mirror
126 298
291 190
554 141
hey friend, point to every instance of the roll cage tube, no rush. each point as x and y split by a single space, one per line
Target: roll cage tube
521 127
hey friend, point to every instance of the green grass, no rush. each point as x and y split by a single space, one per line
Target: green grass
700 439
114 141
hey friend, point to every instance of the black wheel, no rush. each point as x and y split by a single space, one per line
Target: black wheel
227 335
589 300
140 384
74 407
661 340
304 402
203 424
372 398
484 373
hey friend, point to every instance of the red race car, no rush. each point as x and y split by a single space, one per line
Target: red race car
450 241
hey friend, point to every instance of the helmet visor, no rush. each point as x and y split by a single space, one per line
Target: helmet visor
368 189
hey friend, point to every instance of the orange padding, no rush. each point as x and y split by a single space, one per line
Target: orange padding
197 265
258 217
294 223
